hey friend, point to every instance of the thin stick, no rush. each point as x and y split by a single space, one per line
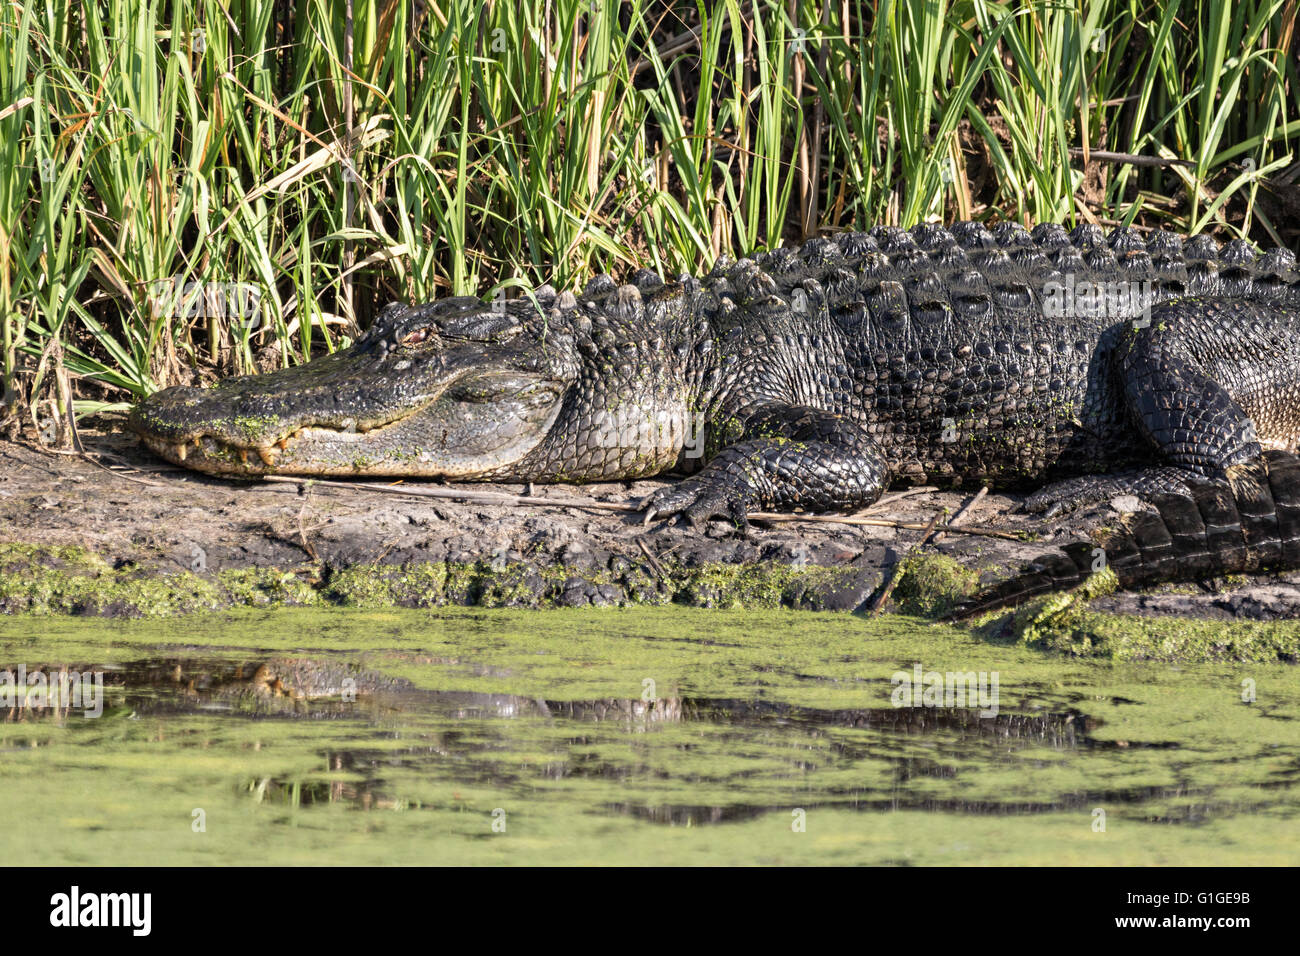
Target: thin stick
302 530
479 497
963 511
890 499
1131 159
883 523
654 562
896 572
960 516
500 498
91 456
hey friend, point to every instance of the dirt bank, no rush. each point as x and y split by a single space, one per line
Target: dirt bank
119 515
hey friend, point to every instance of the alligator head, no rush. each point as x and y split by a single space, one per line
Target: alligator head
544 388
454 389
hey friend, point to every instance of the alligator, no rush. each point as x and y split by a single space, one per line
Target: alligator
1078 365
289 686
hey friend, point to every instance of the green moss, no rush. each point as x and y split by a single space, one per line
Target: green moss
733 586
17 557
65 580
255 427
1131 637
40 580
1065 623
1052 620
44 580
377 586
933 584
263 587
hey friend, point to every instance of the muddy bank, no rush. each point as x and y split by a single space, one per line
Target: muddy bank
121 533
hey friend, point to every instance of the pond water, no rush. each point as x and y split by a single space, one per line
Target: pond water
670 735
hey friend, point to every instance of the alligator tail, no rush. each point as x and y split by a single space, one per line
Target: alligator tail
1247 524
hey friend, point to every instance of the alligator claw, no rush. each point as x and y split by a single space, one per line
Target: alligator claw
699 500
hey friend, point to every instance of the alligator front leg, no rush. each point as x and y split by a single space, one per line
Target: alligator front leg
1191 421
790 457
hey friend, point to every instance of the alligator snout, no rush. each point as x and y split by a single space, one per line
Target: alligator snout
421 406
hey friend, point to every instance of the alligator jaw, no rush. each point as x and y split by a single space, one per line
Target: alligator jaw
477 423
213 454
216 454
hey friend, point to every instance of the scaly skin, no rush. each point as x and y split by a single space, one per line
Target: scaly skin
805 378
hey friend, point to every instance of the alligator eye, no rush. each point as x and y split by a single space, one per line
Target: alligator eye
416 337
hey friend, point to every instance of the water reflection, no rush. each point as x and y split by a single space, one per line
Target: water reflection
399 747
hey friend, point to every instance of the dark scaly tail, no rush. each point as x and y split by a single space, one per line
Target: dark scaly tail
1249 523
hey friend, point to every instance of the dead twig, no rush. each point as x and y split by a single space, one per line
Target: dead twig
1131 159
1003 533
124 463
890 499
963 511
392 543
654 562
451 494
506 500
302 528
91 456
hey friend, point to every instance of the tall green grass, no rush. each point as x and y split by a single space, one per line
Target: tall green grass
474 146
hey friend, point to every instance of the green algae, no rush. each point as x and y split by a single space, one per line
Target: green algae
39 580
53 581
68 580
1172 639
255 428
1065 623
658 735
932 585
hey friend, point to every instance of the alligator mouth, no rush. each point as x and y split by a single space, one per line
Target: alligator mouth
477 422
209 446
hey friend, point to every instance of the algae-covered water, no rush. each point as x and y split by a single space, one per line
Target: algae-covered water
670 735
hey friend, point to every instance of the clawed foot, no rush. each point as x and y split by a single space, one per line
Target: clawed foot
1064 497
697 500
1056 500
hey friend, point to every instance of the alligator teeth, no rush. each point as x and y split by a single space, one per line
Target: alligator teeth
181 450
243 455
267 456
